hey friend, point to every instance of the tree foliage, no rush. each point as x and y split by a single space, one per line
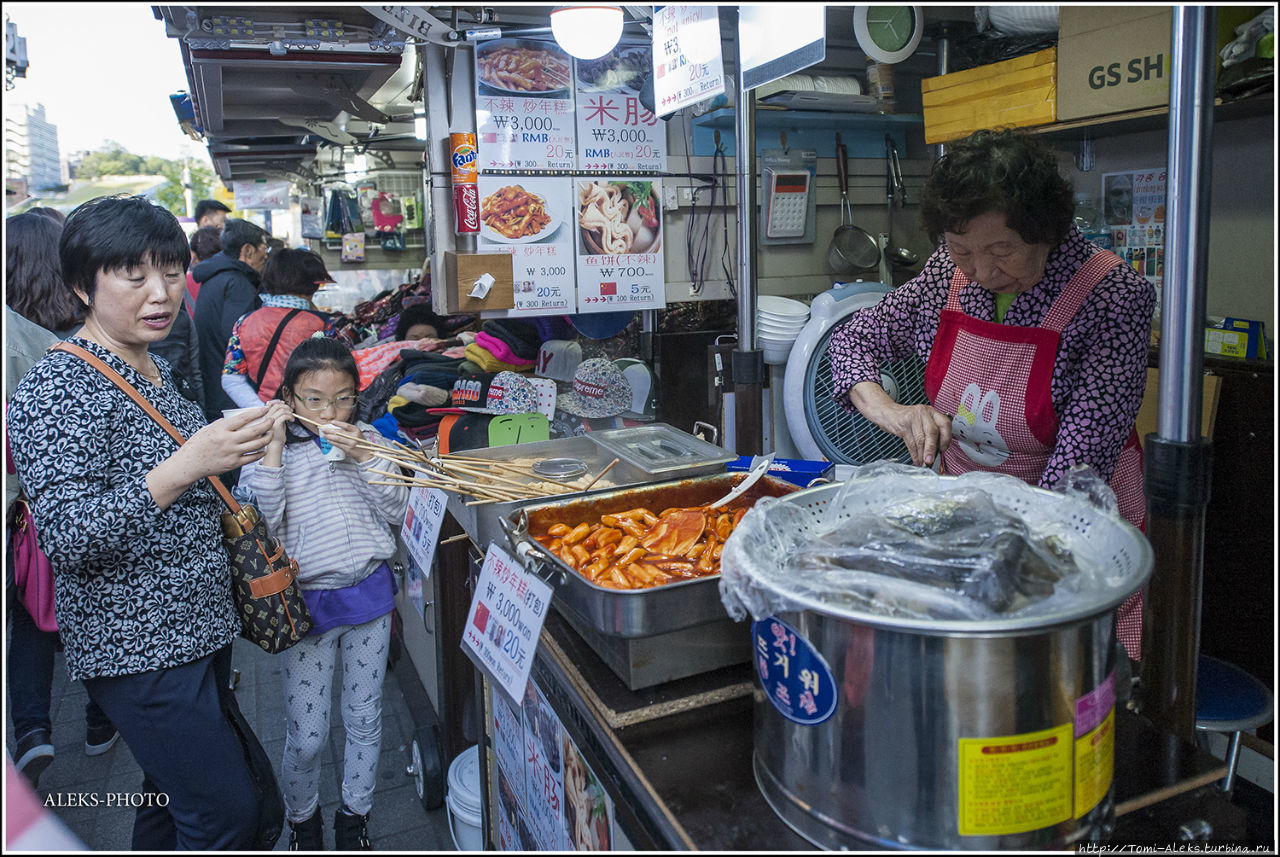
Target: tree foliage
113 160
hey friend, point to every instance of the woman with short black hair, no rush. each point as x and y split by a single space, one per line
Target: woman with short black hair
133 528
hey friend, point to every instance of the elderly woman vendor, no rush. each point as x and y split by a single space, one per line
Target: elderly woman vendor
1035 340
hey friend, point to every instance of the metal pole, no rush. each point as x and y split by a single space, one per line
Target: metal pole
1177 458
748 361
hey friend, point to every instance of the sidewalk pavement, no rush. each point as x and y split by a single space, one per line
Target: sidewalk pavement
398 822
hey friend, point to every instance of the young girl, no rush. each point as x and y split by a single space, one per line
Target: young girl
315 494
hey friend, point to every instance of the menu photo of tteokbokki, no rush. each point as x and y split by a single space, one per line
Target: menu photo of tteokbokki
513 215
524 67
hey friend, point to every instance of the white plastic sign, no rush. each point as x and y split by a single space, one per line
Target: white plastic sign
687 62
531 218
524 106
619 236
505 621
422 525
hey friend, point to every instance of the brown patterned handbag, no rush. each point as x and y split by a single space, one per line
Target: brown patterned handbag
273 614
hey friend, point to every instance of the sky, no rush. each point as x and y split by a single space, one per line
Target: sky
104 71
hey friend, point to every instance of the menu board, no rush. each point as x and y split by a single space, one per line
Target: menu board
549 799
531 218
619 238
615 131
524 105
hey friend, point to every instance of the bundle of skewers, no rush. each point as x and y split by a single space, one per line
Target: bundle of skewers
484 480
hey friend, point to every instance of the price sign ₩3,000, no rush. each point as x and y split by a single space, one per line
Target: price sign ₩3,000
505 621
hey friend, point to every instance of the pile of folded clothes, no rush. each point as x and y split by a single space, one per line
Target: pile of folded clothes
505 345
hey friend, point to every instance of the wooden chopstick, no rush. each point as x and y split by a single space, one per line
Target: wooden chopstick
602 473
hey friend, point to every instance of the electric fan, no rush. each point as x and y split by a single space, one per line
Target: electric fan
821 429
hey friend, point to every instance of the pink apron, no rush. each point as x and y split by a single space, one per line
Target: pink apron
995 378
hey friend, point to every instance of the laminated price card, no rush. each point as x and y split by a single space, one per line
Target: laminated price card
422 525
615 131
524 106
506 618
619 229
531 218
687 67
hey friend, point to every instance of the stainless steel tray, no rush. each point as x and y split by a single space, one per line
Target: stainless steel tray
631 612
481 520
663 450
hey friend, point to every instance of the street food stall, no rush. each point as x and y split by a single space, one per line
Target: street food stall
566 699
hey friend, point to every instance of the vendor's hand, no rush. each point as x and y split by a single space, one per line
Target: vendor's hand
926 432
347 438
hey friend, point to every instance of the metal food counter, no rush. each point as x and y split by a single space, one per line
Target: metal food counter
676 760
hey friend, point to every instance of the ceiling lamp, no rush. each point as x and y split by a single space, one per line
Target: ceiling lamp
587 32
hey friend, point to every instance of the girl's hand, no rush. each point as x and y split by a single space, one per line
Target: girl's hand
280 415
347 438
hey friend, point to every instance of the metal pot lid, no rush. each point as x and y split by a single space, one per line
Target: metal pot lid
560 468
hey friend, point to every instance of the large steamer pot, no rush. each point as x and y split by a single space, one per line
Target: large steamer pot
948 735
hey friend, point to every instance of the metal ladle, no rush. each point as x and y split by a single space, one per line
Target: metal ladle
900 256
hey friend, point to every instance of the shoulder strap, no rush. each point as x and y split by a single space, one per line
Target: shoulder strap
1078 289
271 347
132 392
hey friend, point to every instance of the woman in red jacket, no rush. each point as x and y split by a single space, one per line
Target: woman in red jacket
262 340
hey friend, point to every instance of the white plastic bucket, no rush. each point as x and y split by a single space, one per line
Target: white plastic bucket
463 801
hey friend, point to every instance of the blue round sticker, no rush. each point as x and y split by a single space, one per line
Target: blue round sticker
792 673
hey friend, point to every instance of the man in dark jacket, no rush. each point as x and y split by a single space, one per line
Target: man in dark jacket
228 290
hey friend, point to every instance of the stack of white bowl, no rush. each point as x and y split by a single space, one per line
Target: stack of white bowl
778 323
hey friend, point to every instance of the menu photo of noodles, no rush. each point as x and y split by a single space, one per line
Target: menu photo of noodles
619 217
619 229
512 213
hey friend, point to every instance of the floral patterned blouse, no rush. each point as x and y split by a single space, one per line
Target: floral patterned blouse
1100 373
135 588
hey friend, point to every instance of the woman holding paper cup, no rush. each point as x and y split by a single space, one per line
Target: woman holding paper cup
320 491
132 526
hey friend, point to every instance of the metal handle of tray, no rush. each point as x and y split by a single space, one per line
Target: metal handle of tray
532 555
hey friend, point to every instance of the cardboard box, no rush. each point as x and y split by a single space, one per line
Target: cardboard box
1016 93
461 270
1238 337
1112 59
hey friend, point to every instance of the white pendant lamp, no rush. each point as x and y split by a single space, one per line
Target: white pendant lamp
587 32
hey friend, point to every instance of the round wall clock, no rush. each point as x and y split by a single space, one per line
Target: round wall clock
888 34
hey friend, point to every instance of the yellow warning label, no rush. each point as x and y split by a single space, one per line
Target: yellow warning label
1015 783
1095 764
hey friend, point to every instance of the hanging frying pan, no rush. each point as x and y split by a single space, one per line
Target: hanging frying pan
852 249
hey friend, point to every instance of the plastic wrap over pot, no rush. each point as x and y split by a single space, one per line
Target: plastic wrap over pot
901 546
